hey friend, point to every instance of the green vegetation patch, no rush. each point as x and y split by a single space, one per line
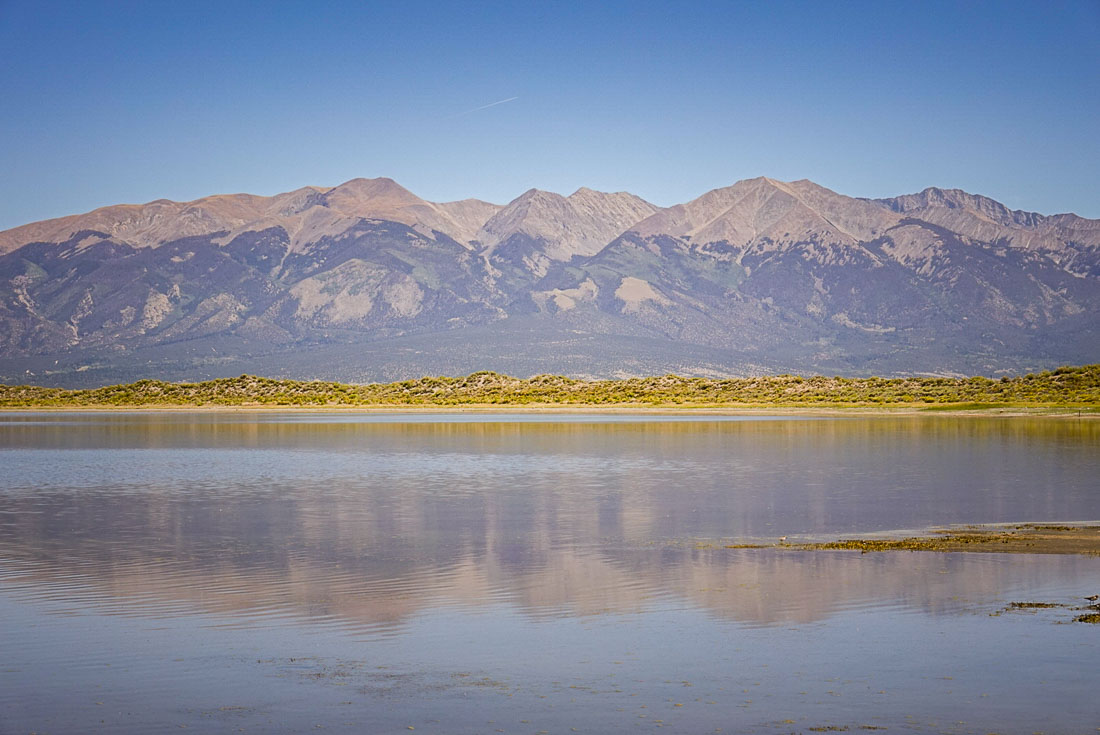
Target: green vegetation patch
1070 387
1025 539
905 544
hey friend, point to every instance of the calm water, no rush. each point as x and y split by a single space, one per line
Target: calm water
463 574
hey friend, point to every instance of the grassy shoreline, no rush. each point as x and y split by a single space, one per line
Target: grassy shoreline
1065 391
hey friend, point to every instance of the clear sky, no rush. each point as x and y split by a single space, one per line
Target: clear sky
109 102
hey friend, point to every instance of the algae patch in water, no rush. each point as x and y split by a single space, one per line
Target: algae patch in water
1021 539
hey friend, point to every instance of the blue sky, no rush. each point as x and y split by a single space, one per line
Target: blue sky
128 102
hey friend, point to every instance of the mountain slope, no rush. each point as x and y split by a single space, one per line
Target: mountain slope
305 213
540 227
1071 241
762 210
760 276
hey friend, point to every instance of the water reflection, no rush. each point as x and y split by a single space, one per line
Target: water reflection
363 523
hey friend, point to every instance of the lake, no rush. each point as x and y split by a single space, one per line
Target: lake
536 573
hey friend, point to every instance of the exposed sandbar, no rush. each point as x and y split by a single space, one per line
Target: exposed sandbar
1018 539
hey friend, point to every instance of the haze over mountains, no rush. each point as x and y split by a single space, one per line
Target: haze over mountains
367 281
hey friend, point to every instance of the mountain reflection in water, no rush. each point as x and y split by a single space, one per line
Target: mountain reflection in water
365 522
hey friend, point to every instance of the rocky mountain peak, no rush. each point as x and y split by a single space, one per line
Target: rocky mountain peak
580 224
957 199
370 197
981 218
766 210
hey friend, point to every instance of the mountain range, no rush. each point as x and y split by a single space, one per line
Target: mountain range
367 281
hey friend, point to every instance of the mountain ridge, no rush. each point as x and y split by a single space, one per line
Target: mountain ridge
242 205
757 276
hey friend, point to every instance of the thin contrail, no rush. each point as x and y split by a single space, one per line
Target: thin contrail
483 107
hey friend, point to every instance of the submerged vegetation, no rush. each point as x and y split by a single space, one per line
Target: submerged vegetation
1070 387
